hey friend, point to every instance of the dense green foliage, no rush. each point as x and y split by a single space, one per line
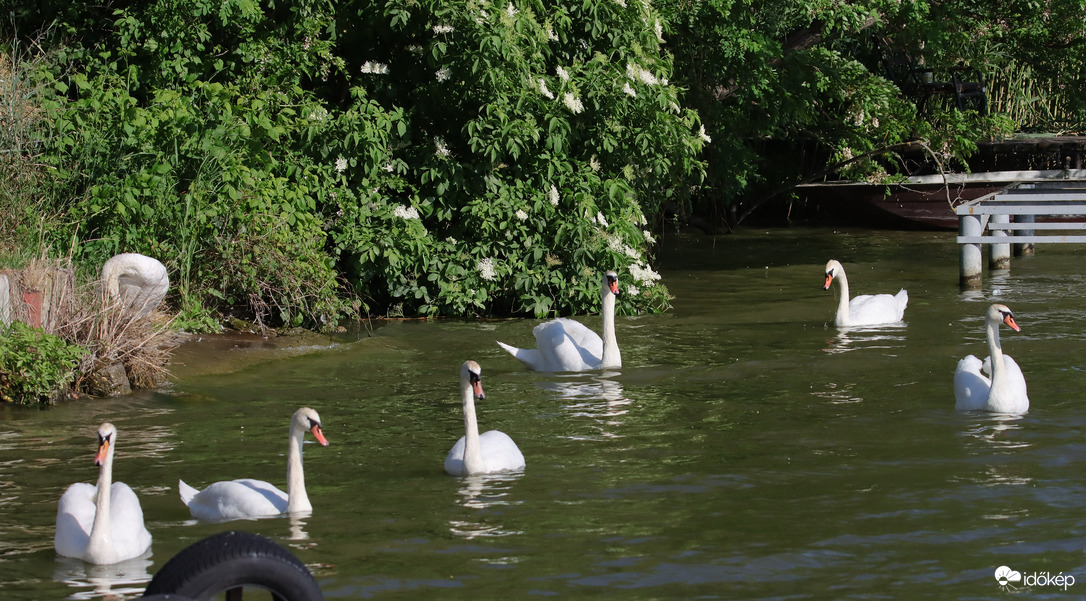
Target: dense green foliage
35 367
790 89
295 161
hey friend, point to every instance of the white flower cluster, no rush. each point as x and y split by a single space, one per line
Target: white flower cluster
319 114
553 195
648 237
629 90
486 269
406 212
341 164
617 245
704 136
511 10
443 29
442 74
543 89
521 214
572 103
635 72
658 29
374 68
644 274
439 147
600 219
562 73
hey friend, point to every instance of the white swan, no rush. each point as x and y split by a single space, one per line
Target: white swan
101 524
247 498
139 281
567 345
865 309
1006 391
473 454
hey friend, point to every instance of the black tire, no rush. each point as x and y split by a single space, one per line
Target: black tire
232 559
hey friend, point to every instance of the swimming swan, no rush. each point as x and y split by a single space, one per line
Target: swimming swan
247 498
866 309
567 345
1006 391
473 454
101 524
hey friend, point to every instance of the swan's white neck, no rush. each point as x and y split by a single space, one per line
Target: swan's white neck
100 545
297 499
611 356
473 452
843 317
995 355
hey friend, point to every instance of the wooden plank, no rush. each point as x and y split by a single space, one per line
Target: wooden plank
1077 209
1021 239
1064 225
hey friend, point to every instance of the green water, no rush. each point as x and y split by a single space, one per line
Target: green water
747 450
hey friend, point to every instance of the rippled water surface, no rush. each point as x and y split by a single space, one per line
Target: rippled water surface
748 449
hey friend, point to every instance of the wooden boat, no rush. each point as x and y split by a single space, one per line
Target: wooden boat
921 201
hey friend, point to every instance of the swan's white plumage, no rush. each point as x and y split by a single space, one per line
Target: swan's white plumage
865 309
1005 391
248 498
493 451
141 282
101 529
567 345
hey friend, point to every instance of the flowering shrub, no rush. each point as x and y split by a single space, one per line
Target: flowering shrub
432 158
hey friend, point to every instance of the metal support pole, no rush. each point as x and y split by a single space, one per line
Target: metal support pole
970 263
999 254
1024 249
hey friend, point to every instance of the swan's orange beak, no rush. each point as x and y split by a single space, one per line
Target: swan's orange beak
103 450
477 388
1009 320
613 285
829 279
318 434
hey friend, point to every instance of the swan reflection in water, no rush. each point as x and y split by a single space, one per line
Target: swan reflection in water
601 399
996 431
866 337
115 581
484 494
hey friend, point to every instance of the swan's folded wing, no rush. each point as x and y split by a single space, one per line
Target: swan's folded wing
75 516
567 345
580 334
1016 380
236 499
871 309
126 514
500 453
970 386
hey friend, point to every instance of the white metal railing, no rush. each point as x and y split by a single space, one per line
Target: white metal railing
988 221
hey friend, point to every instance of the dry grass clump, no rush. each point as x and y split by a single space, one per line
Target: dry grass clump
85 315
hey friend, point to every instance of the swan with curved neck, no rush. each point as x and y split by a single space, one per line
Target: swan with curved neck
1005 392
567 345
493 451
865 309
247 498
101 524
139 281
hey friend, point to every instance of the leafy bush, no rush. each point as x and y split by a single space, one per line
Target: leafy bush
35 367
285 162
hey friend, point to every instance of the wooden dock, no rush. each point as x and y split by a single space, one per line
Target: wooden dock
1011 217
